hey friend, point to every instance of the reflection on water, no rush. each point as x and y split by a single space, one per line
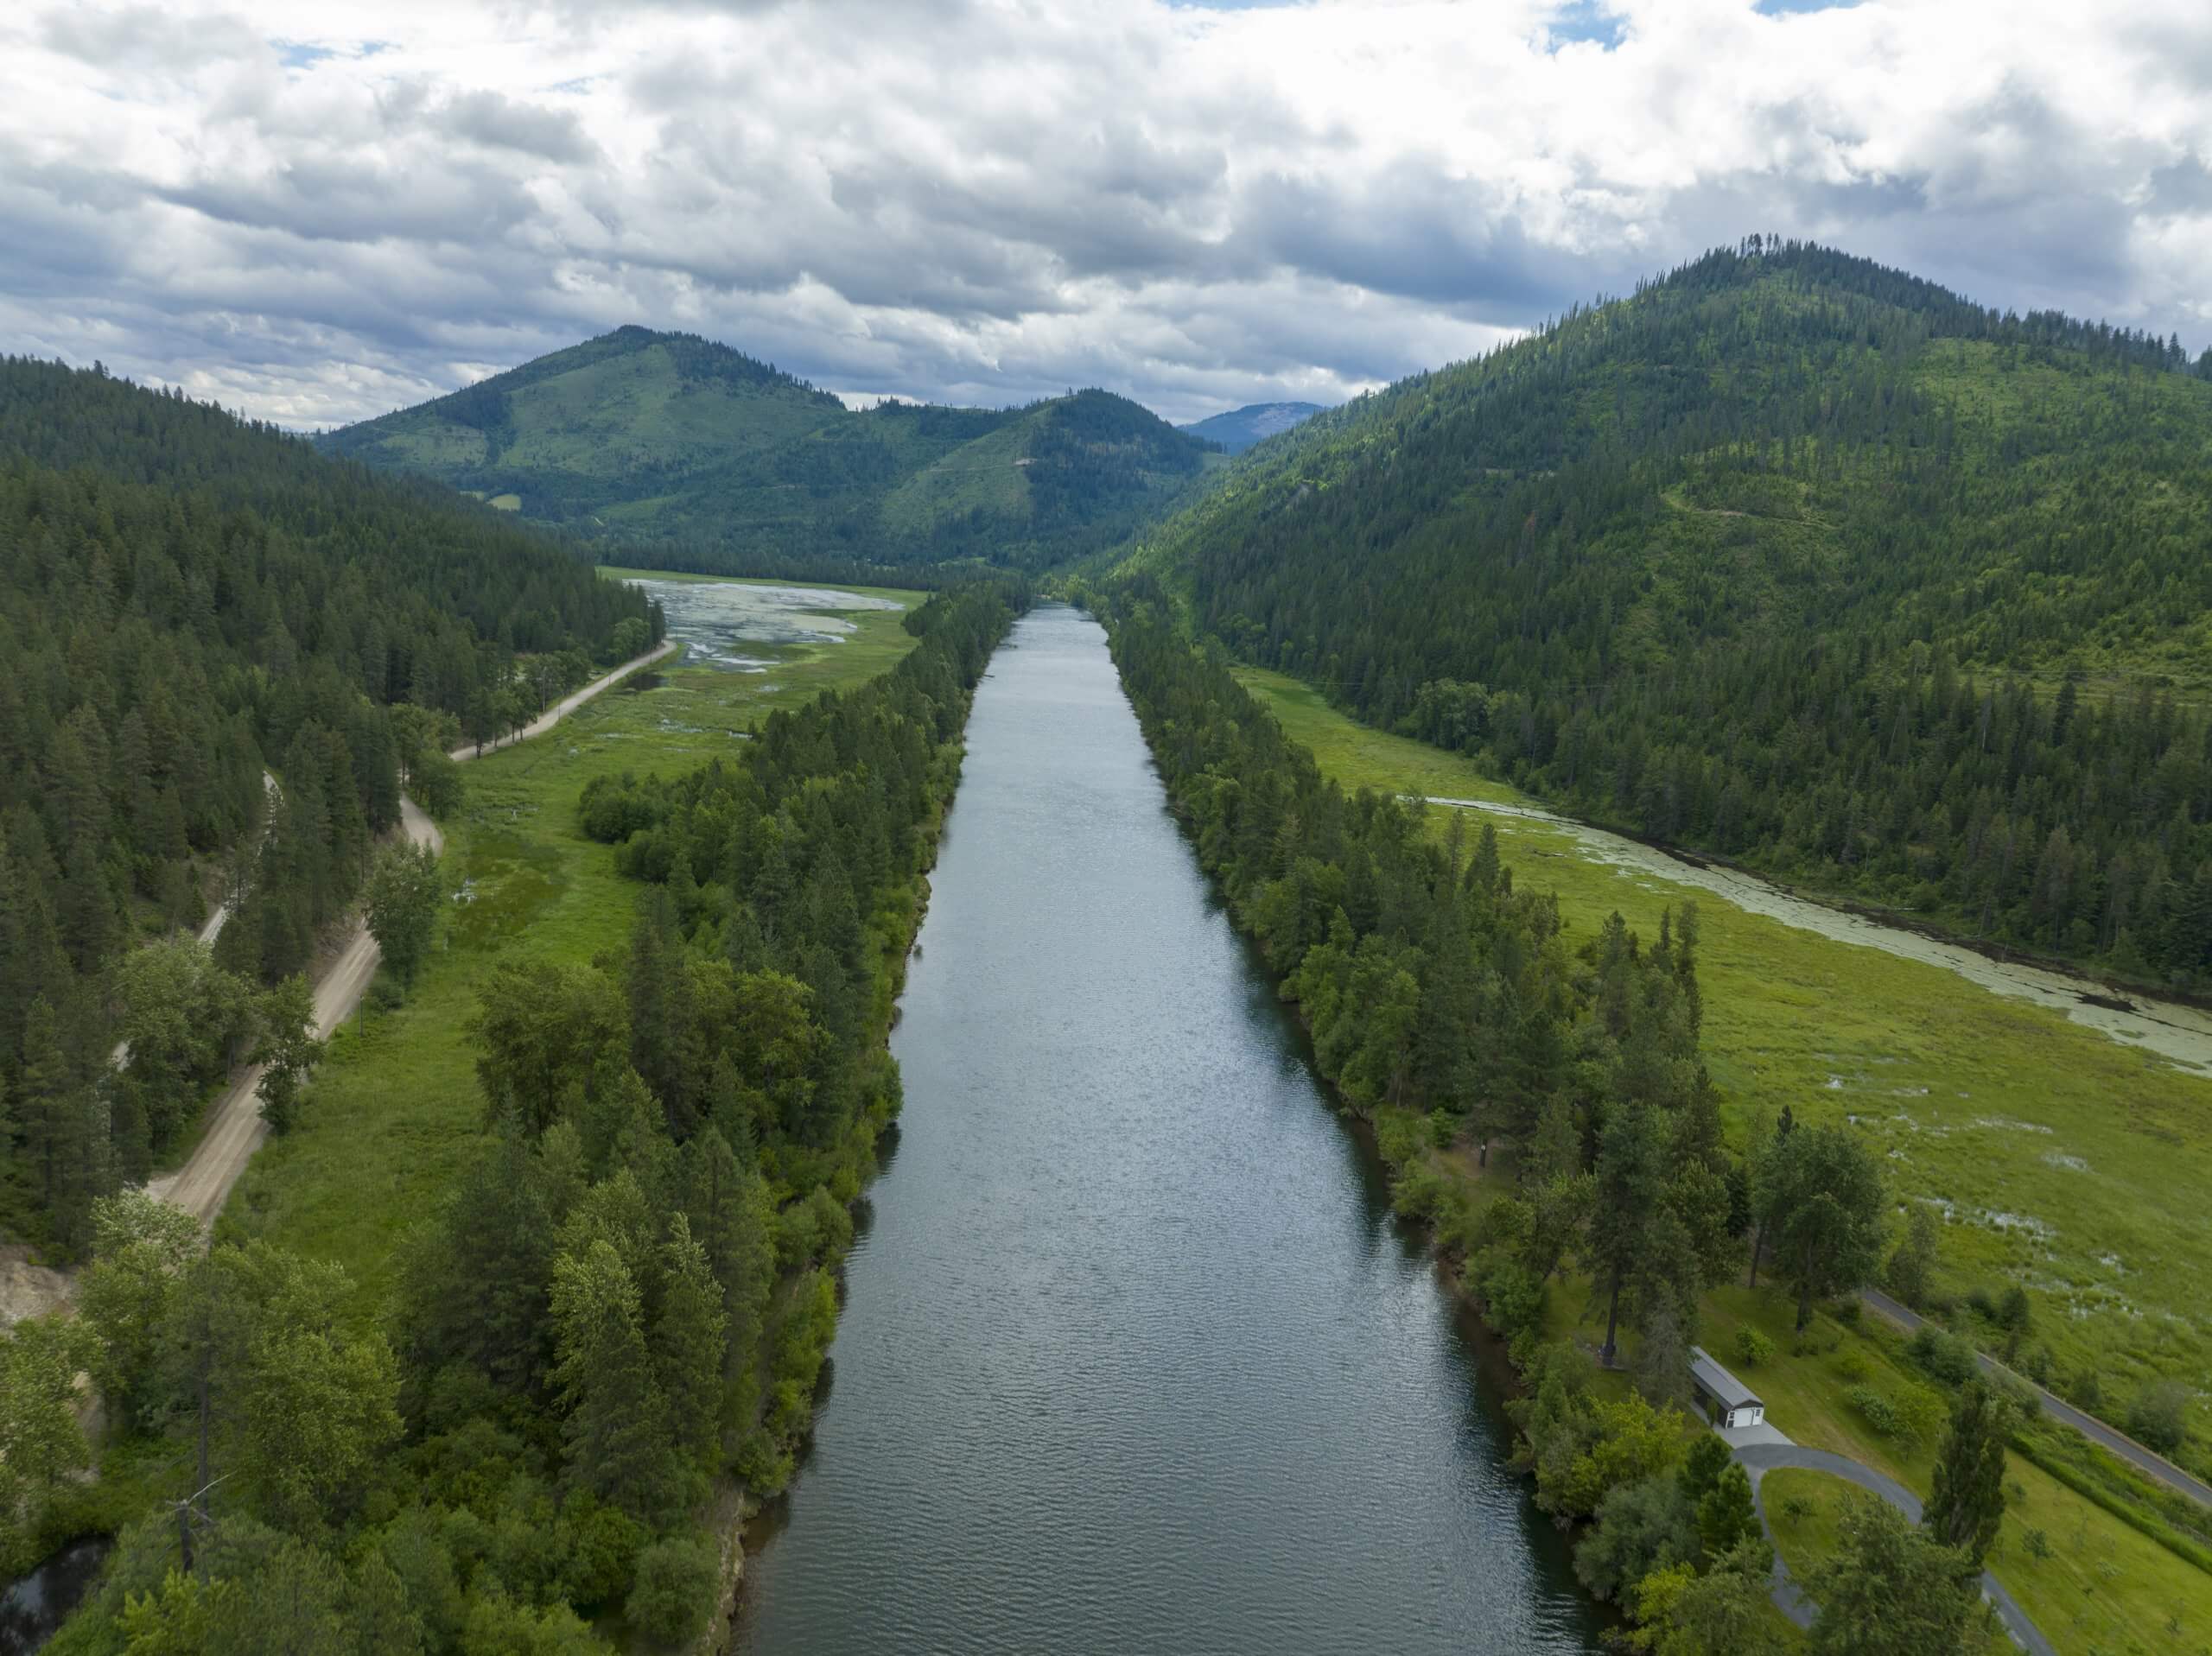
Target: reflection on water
715 619
33 1610
2180 1033
1135 1357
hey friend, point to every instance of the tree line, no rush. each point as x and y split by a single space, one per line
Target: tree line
1789 557
1447 1004
622 1310
225 656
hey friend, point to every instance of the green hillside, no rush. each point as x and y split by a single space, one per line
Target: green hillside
706 459
188 600
1790 557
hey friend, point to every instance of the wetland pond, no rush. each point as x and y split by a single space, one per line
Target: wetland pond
715 620
1135 1357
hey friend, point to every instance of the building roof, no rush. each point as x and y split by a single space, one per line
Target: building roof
1721 1385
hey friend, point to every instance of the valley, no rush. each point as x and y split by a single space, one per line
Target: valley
1240 1106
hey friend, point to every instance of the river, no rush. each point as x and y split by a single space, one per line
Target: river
1133 1358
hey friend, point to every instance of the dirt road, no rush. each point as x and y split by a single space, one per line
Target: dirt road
235 1128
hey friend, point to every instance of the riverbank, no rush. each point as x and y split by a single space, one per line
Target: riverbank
1790 1016
396 1113
1134 1355
2060 1158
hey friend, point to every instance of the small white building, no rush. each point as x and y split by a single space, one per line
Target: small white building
1725 1399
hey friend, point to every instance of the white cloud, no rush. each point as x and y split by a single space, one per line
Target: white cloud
988 200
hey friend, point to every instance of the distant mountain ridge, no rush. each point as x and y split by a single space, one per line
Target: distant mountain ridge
681 447
1240 428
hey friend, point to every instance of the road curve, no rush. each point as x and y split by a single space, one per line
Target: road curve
235 1128
1759 1459
2149 1462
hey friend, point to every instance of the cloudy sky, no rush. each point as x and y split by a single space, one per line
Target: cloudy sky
314 213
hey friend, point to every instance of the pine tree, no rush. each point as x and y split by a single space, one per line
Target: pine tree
691 1338
1726 1516
615 1431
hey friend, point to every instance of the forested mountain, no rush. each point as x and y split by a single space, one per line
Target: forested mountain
186 599
710 459
1239 429
1794 558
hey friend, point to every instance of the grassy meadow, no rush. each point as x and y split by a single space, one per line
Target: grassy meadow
2060 1158
393 1113
1983 1104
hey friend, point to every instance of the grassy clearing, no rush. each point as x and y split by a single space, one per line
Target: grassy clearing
394 1111
2062 1160
1805 1537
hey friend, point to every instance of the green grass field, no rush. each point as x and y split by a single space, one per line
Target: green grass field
1999 1091
2062 1160
394 1111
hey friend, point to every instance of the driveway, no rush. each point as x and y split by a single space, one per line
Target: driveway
1759 1459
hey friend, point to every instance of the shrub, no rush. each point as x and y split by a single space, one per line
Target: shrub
1752 1348
2159 1416
674 1591
1880 1412
1942 1356
1922 1414
1513 1295
1852 1366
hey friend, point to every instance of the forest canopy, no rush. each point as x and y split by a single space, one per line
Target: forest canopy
225 655
1789 557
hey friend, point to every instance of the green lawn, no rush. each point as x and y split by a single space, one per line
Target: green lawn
2064 1161
394 1111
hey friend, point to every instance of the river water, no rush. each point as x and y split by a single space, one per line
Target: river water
1134 1357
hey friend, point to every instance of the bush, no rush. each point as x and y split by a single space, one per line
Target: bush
1752 1348
1942 1356
1880 1412
675 1590
1853 1366
1513 1295
2159 1416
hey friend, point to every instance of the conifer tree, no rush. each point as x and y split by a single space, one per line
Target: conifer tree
1967 1501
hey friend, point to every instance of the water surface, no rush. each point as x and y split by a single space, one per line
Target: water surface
1135 1358
715 619
33 1610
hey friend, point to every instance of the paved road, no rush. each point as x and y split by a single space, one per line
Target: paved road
1759 1459
235 1129
2149 1462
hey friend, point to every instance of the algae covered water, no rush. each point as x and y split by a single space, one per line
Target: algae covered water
1133 1356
